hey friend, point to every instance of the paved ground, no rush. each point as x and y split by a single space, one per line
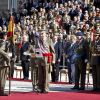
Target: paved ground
17 86
22 86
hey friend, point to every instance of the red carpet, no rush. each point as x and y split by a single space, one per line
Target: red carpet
68 95
54 96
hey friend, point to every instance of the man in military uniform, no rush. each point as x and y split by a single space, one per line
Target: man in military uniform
95 62
4 60
81 61
41 59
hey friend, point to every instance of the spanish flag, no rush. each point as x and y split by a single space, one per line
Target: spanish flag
10 27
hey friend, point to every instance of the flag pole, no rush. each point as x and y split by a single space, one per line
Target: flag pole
12 48
13 57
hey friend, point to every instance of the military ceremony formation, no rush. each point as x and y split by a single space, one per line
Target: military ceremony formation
46 36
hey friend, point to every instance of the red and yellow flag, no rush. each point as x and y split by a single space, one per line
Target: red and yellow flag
10 27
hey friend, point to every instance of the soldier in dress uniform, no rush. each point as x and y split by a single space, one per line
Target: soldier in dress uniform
12 53
81 53
4 60
41 60
95 62
33 60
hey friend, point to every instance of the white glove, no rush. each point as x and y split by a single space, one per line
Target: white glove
53 62
68 60
10 54
58 60
86 60
26 54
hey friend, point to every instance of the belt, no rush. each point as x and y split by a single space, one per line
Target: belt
95 54
49 55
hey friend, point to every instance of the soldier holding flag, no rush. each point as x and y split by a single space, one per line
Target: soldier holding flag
4 61
11 45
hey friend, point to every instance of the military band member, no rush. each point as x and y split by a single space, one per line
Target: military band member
95 62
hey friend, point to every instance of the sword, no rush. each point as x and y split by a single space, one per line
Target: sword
9 81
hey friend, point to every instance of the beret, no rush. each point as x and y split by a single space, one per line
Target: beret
79 34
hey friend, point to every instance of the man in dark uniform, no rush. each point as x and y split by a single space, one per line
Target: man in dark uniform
81 61
95 62
4 61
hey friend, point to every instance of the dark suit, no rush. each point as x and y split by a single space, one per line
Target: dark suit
58 53
72 14
25 59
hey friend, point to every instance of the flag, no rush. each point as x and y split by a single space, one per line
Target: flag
10 27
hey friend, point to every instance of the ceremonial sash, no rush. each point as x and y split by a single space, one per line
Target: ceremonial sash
19 45
49 55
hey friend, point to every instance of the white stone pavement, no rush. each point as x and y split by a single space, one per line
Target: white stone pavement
23 86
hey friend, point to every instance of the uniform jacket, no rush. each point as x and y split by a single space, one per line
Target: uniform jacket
4 58
82 50
95 55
